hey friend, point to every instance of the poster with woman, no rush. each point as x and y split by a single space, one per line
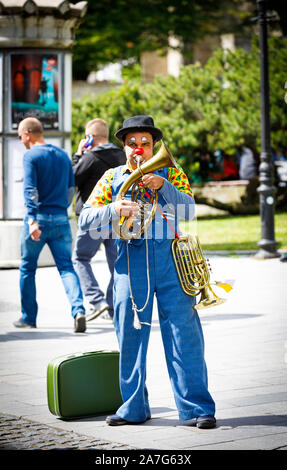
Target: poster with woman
35 89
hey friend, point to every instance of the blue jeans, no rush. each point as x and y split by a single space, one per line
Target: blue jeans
180 329
85 249
56 232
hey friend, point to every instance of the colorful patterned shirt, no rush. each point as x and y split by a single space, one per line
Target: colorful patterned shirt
102 192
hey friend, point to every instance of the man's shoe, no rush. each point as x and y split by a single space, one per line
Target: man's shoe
106 316
115 420
21 324
201 422
206 422
80 323
283 257
97 310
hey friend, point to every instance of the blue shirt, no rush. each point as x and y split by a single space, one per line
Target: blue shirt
48 180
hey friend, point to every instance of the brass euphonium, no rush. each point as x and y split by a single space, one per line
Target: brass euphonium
126 229
193 271
191 265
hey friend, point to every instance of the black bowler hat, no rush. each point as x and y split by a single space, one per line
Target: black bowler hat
139 123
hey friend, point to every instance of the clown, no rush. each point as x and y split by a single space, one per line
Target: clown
144 269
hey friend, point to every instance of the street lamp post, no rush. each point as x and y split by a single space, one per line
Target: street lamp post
267 244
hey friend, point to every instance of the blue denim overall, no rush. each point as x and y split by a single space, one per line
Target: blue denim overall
179 323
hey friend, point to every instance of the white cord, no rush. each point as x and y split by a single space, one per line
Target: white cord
136 310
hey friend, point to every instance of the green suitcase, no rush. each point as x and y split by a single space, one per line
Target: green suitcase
84 384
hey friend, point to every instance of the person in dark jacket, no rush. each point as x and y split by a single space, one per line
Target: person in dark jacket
94 156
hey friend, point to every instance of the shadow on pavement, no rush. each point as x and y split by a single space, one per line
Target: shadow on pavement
268 420
229 316
40 334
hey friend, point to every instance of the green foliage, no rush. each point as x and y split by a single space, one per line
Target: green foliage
113 106
131 72
205 108
115 30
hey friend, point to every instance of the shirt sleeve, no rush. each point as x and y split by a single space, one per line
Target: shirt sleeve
178 178
97 211
31 194
102 192
71 188
177 193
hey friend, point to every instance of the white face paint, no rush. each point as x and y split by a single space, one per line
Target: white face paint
135 140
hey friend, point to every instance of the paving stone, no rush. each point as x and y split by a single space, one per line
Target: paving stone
18 435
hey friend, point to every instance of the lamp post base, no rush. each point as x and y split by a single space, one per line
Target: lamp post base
263 254
267 249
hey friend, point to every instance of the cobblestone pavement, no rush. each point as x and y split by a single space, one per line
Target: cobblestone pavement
17 433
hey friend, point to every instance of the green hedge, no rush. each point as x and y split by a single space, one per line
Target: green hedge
210 107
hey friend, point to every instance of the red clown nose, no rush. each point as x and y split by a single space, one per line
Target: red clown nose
139 151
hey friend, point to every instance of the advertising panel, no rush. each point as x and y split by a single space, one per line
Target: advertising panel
35 89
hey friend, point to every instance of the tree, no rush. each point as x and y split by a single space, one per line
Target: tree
208 107
116 30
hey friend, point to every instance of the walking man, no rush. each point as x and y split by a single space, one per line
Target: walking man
48 191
